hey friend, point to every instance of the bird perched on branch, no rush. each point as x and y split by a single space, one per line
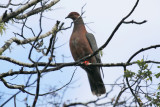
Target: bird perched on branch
82 44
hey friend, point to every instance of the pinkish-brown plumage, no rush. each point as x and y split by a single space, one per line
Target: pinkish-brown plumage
81 45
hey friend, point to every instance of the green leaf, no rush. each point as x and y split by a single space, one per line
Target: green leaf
158 87
145 66
2 28
157 75
148 97
142 65
129 73
101 53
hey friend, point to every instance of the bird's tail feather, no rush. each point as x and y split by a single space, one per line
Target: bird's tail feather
96 83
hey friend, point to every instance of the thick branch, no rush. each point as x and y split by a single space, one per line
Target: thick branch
61 65
18 11
37 10
12 86
30 65
141 50
37 88
53 90
25 41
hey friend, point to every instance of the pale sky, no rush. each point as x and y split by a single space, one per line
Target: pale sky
105 15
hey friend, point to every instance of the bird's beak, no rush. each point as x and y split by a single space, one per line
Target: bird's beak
66 17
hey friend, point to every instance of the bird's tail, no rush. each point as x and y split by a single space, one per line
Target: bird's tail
96 83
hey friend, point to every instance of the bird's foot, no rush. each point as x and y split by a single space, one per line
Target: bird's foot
86 62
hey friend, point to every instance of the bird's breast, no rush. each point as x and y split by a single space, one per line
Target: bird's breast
75 42
79 46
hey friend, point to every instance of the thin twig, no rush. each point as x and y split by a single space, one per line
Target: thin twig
135 22
38 72
5 6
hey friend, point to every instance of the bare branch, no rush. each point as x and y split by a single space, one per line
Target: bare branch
134 22
19 4
37 88
133 85
18 11
142 50
26 85
86 104
25 41
38 72
112 34
53 38
37 10
72 63
9 99
62 86
61 65
21 87
14 101
33 45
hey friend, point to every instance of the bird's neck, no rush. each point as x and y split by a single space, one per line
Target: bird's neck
79 25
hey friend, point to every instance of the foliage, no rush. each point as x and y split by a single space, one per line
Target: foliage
2 28
145 74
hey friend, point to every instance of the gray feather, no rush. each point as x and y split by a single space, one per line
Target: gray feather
92 41
93 72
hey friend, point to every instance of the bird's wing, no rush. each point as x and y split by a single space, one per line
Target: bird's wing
92 41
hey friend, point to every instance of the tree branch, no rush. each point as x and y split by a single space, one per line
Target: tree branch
134 22
141 50
30 65
25 41
111 36
37 88
21 87
37 10
61 65
18 11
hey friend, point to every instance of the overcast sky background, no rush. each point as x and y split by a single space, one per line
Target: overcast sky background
102 17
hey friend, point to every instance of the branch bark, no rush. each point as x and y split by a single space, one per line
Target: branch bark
18 11
37 10
30 65
21 87
25 41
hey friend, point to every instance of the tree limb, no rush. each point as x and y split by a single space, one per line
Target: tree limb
18 11
21 87
37 10
25 41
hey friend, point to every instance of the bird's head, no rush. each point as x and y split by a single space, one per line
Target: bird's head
73 15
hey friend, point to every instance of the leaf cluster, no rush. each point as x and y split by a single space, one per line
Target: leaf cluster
2 28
